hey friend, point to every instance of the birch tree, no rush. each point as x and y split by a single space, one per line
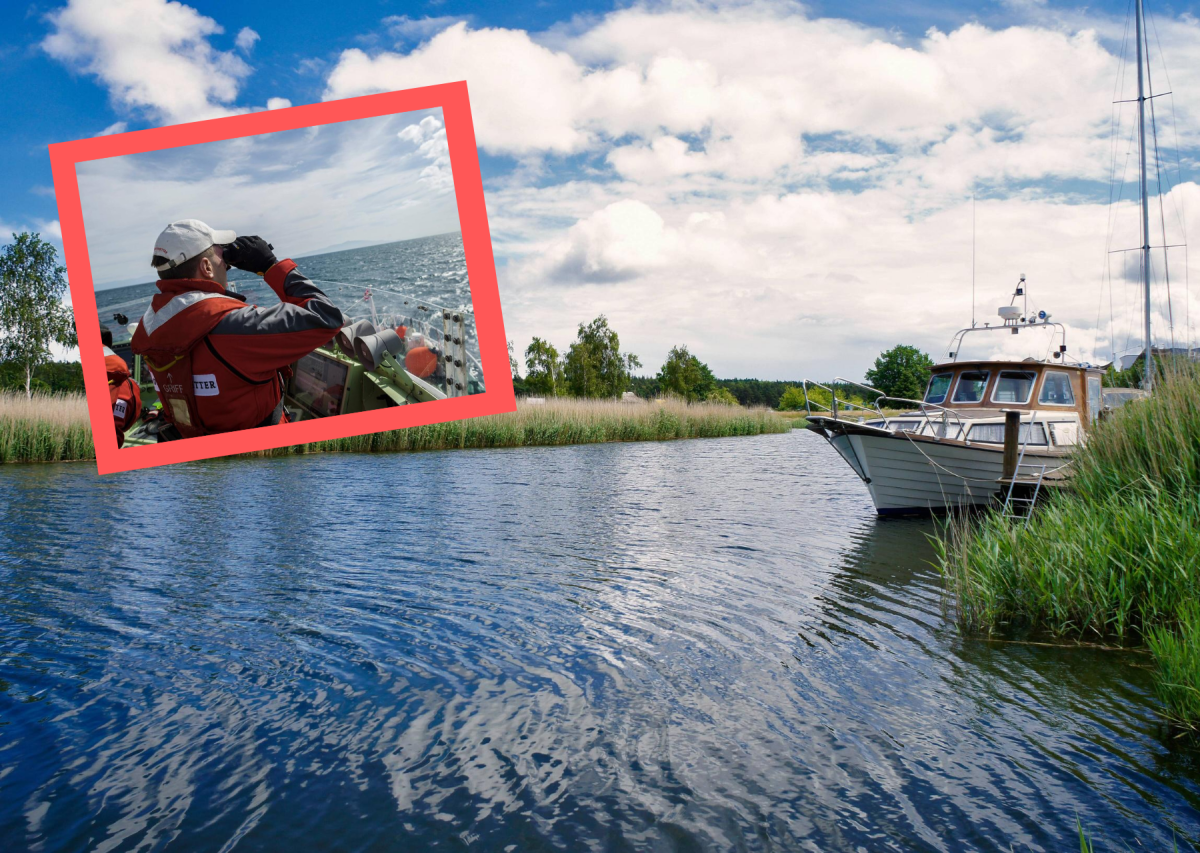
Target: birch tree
32 314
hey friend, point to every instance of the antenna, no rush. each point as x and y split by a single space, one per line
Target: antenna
972 259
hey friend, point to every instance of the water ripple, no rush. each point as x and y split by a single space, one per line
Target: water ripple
694 645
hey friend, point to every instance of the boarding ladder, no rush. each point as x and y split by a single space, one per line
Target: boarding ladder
1017 508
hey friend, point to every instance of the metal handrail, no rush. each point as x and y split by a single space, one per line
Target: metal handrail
833 399
925 407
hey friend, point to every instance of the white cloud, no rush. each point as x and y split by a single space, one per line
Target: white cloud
403 27
115 127
789 194
499 66
616 243
303 191
153 55
246 38
430 139
278 103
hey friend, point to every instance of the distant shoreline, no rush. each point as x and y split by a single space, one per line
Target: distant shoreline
55 428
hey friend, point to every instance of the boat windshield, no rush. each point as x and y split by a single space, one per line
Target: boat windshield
939 385
1056 390
1094 396
1014 386
971 385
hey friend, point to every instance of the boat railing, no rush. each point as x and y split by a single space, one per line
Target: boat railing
834 402
930 413
938 418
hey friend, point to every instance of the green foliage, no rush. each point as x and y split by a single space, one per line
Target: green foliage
902 371
686 376
518 383
820 399
1177 652
1131 377
722 396
595 367
1116 556
793 399
32 315
756 392
56 377
646 387
543 369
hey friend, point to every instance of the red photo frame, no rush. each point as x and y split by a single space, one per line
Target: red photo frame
481 273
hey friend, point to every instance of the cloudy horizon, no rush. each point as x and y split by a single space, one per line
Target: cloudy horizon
786 192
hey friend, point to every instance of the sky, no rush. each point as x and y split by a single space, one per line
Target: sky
372 180
787 189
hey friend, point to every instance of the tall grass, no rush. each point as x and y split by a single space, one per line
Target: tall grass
44 428
565 421
53 429
1116 557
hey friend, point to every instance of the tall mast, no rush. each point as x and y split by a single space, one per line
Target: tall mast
1149 380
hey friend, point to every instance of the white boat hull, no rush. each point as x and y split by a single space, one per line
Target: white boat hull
906 474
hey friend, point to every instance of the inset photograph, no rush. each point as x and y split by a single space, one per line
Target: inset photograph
266 279
234 302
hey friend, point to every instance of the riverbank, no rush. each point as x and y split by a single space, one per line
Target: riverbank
1114 559
55 428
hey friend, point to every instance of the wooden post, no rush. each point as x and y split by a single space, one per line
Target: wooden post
1012 434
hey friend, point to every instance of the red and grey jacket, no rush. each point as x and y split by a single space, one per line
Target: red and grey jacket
216 360
125 395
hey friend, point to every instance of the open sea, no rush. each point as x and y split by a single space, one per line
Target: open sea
693 645
410 280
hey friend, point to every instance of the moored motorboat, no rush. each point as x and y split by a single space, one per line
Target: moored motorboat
948 449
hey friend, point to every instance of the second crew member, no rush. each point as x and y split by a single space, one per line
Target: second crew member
124 393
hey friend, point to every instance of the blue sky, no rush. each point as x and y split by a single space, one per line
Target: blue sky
784 188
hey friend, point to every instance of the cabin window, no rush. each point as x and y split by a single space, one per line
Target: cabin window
939 385
1095 396
1056 390
994 434
971 385
1014 386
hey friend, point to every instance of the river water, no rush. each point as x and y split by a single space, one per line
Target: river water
697 645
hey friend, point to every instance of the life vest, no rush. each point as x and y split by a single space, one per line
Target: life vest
124 394
175 324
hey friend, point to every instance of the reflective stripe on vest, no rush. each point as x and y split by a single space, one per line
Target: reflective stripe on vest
152 319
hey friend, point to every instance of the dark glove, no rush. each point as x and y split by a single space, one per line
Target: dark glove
252 254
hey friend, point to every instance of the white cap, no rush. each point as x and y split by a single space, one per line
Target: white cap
183 240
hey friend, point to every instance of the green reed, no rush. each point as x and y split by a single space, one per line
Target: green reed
55 429
44 428
564 421
1115 557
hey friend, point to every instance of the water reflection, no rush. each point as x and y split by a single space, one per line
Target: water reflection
696 645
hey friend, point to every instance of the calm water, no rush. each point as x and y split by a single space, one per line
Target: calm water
707 645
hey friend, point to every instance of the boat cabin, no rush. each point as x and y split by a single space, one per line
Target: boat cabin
1025 386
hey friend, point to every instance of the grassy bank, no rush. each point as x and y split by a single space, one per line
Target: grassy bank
62 433
1115 558
46 428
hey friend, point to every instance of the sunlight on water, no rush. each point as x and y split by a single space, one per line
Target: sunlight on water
691 645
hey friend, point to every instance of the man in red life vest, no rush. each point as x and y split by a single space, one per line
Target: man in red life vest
124 393
215 360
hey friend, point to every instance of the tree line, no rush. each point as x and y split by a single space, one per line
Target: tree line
595 367
32 317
